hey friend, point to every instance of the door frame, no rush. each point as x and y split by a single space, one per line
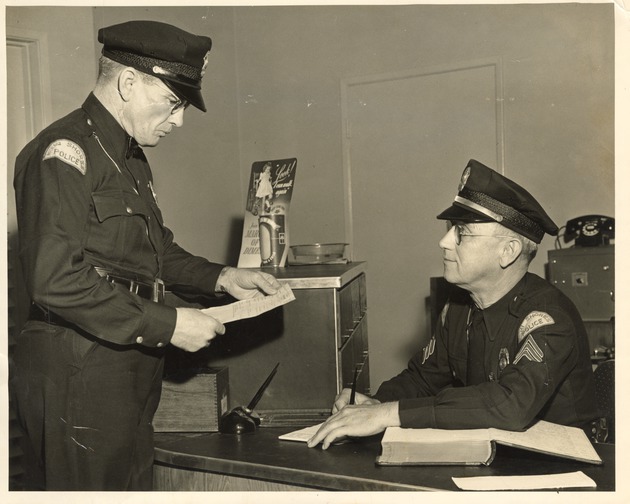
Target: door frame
346 133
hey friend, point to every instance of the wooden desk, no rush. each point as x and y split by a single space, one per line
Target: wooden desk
260 462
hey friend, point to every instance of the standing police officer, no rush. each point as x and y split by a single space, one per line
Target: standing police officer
509 347
96 257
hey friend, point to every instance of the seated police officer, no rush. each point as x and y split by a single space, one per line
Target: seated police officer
96 256
509 347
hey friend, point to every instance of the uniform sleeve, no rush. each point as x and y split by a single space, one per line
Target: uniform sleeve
186 273
53 203
545 356
426 374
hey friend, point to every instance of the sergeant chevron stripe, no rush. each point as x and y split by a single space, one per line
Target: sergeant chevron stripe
531 350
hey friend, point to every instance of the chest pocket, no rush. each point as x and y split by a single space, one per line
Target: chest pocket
109 204
120 228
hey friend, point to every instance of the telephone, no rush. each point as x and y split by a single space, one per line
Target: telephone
590 230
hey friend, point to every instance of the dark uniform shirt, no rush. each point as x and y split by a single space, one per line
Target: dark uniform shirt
85 198
537 366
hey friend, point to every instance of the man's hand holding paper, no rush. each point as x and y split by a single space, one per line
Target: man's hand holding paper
243 283
252 307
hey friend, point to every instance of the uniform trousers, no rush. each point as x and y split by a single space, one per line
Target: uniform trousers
86 407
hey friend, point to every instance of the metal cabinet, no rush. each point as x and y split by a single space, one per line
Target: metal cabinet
587 276
319 340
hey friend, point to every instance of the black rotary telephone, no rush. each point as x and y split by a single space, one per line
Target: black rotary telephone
590 230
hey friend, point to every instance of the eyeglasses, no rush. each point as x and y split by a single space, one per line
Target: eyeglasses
178 105
175 103
460 231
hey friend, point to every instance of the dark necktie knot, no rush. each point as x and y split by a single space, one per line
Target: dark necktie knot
133 149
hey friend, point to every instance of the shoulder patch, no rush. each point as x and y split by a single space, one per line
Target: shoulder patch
67 151
533 321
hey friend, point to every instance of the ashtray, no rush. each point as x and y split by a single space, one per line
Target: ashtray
318 253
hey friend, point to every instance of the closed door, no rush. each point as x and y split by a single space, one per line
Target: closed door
407 140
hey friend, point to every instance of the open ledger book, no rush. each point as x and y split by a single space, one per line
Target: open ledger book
477 446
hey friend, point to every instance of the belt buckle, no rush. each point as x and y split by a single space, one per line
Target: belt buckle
158 290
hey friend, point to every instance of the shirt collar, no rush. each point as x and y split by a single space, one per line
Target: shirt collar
109 131
495 314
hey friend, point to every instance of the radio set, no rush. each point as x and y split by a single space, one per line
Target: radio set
590 230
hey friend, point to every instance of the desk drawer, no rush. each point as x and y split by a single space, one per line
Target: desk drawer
354 353
352 308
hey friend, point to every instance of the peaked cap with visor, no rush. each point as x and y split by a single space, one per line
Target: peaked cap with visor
173 55
485 195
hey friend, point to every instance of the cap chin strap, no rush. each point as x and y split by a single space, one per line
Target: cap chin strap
478 208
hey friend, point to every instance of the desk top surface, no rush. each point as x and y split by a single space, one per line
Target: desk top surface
318 276
351 466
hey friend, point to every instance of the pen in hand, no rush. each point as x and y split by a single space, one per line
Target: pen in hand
354 385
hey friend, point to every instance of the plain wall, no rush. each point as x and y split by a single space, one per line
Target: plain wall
72 66
273 91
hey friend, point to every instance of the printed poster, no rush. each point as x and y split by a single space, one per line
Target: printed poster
265 240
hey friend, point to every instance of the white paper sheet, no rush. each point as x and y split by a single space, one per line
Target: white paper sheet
302 434
253 307
537 482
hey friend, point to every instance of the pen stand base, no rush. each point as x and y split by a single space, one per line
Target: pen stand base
238 421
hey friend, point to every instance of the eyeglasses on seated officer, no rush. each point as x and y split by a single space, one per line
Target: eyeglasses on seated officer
460 230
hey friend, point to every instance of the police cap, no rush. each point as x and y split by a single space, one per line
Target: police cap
487 196
173 55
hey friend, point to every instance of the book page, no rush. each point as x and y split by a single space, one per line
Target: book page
538 482
253 307
550 438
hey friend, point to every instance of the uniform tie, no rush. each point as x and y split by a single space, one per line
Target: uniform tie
133 149
476 331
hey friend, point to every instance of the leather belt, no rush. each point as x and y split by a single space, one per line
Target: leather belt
41 314
153 290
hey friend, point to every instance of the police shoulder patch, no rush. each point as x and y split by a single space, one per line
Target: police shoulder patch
533 321
67 151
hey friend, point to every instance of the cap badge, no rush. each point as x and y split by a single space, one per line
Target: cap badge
464 179
205 64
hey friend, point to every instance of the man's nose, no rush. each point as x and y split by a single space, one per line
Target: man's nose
448 240
177 119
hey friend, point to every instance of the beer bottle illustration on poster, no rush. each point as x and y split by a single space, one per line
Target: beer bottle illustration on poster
265 240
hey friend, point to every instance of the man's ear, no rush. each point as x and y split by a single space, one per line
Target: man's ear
510 252
127 80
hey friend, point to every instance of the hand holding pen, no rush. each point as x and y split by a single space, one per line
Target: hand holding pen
349 396
353 392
